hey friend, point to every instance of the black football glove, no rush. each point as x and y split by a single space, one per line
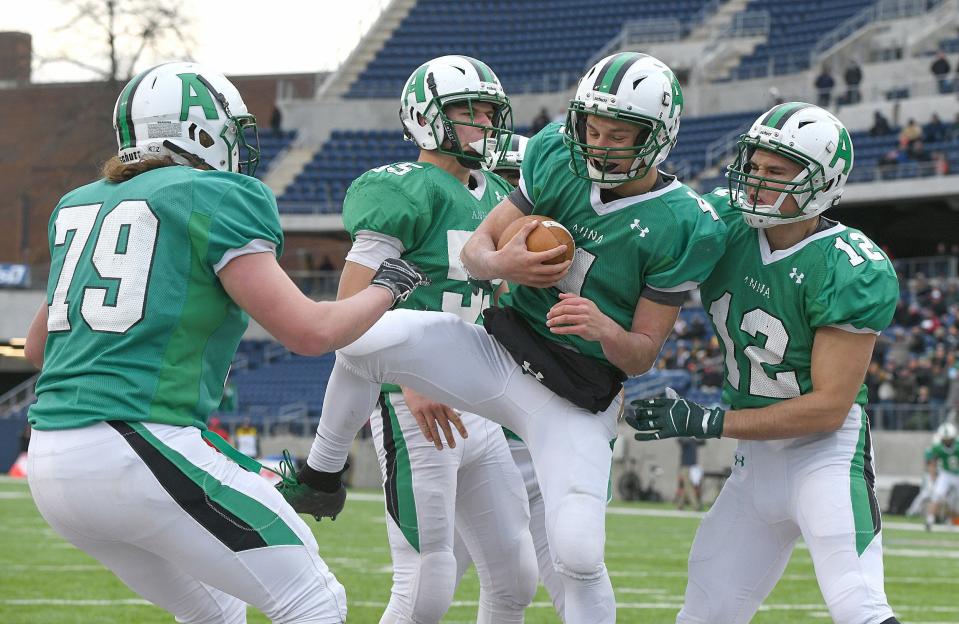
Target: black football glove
400 278
657 419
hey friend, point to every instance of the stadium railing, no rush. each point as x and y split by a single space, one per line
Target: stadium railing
929 266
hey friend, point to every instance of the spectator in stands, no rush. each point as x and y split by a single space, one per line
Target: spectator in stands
910 132
853 77
541 120
880 125
940 69
917 152
216 426
889 161
824 84
934 131
940 163
953 129
690 478
247 439
276 120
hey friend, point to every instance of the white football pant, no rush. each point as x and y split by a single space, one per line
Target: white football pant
459 364
182 525
818 487
474 488
537 528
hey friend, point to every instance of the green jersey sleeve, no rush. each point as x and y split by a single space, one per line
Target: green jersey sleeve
860 289
243 213
720 199
540 155
692 253
382 200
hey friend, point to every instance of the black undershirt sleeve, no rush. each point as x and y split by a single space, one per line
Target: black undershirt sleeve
664 298
519 200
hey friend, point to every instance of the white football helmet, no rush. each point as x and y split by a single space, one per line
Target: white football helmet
946 433
448 80
631 87
805 134
188 112
510 157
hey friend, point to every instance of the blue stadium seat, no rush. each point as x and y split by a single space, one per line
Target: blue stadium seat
532 46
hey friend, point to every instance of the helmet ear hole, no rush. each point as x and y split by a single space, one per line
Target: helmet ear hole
205 139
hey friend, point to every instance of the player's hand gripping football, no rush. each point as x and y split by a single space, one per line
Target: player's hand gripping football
400 277
432 417
516 263
674 417
319 494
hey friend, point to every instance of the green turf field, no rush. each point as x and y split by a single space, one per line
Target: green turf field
45 580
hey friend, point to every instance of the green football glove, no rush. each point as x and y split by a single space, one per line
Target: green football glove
658 419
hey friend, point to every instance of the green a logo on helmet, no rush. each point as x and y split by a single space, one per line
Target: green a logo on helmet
195 93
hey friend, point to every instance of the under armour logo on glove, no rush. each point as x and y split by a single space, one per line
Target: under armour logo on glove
400 277
658 419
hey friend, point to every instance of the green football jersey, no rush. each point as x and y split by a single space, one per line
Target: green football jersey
140 328
668 239
767 305
432 215
947 457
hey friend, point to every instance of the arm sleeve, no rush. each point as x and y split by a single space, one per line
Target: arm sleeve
382 204
370 249
859 300
531 170
244 221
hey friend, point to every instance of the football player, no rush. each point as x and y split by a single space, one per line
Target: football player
155 269
572 331
455 110
796 302
942 461
507 165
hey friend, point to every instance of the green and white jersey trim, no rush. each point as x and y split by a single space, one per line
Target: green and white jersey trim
595 198
769 256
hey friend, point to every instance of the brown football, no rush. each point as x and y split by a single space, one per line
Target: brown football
548 235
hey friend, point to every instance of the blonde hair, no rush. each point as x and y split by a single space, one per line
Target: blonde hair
116 171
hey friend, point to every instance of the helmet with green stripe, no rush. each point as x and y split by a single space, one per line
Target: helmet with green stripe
449 80
634 88
815 159
190 113
506 163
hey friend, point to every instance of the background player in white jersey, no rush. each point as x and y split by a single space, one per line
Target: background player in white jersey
797 302
454 109
942 463
507 164
569 334
154 266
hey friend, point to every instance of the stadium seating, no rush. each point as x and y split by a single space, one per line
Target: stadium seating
271 144
537 45
348 153
794 29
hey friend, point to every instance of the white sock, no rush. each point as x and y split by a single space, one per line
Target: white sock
347 406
